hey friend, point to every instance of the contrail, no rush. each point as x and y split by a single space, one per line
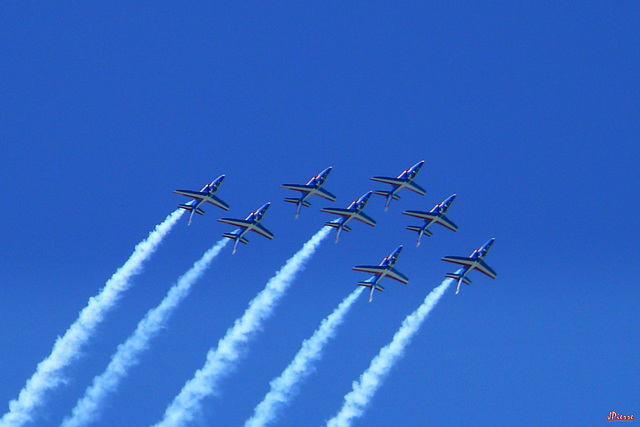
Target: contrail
49 374
87 409
357 399
283 387
221 360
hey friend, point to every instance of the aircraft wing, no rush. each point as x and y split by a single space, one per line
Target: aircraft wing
446 222
483 267
388 180
396 275
459 260
365 218
373 269
421 214
339 211
195 194
416 188
262 231
217 202
242 223
325 194
298 187
380 271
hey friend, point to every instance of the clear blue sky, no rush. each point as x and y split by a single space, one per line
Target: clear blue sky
528 112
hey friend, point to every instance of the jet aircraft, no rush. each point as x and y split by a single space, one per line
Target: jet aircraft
354 211
404 180
474 261
251 223
202 196
434 216
385 269
314 186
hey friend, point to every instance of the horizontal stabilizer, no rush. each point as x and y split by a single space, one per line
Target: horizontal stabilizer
370 284
336 224
457 277
417 229
386 194
190 208
297 202
235 237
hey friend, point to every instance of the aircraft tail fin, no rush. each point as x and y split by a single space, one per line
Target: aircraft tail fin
370 283
298 202
459 278
389 195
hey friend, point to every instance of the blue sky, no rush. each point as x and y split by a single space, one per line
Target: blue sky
528 112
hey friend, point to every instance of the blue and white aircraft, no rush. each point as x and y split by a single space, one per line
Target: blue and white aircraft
404 180
314 186
434 216
354 211
474 261
251 223
206 195
385 269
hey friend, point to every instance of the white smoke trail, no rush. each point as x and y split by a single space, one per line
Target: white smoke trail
49 373
283 387
87 409
221 360
357 399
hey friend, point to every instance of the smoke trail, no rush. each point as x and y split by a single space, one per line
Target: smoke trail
49 374
282 388
357 399
221 360
128 354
